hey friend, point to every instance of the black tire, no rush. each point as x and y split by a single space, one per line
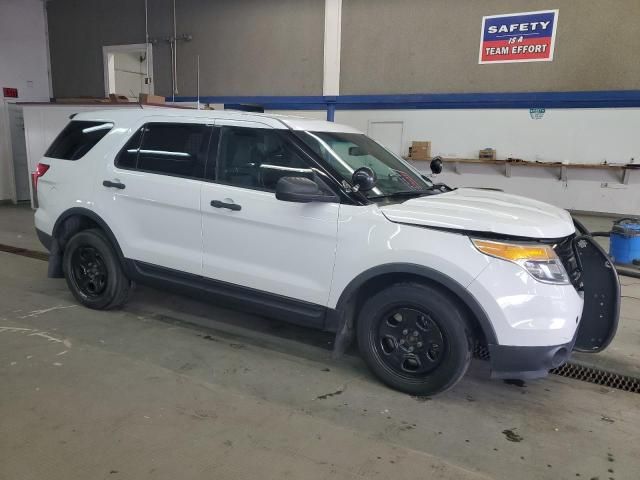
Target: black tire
93 271
414 338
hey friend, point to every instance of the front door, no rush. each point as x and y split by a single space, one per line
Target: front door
150 196
253 240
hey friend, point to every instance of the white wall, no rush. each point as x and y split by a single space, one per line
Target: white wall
573 135
562 135
23 65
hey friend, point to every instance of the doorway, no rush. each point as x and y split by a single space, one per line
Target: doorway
128 70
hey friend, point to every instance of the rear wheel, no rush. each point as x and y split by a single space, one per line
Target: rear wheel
414 338
93 272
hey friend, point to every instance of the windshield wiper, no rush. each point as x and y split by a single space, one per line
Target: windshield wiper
404 193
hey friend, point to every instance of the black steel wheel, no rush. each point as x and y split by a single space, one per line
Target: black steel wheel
93 271
409 341
88 273
415 338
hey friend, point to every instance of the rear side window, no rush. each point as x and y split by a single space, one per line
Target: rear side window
178 149
77 138
128 157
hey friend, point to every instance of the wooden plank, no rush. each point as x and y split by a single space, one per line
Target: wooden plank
472 161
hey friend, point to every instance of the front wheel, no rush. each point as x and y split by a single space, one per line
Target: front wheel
414 337
93 272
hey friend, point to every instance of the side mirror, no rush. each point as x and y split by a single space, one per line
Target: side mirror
364 179
302 190
436 165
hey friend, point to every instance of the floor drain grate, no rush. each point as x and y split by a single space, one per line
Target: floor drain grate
585 374
599 377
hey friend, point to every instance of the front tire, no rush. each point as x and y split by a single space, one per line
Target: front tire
414 338
93 271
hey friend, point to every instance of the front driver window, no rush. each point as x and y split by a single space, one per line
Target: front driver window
257 158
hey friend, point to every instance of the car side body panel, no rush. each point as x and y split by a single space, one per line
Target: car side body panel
366 239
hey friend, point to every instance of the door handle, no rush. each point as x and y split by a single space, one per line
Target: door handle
231 206
110 184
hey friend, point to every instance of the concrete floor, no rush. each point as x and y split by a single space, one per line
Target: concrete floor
173 388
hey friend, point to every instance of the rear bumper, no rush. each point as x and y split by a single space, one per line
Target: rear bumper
526 363
45 239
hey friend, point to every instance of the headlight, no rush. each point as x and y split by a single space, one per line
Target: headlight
540 261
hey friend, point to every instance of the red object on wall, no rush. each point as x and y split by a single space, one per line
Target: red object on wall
8 92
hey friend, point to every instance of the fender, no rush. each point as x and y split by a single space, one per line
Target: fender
57 247
338 320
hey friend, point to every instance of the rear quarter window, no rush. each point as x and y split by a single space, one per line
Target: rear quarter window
77 138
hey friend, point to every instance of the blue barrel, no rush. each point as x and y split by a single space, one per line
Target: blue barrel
625 241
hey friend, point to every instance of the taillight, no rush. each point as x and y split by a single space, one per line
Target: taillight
41 169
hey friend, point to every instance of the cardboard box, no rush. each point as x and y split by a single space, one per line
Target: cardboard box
487 154
154 99
420 150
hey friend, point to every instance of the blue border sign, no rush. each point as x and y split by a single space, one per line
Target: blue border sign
518 37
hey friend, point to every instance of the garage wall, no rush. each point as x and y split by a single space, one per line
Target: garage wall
572 136
248 47
433 46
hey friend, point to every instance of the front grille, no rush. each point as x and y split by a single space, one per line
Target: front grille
565 251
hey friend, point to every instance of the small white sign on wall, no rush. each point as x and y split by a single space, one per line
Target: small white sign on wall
537 113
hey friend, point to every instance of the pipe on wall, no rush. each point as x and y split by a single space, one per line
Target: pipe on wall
175 52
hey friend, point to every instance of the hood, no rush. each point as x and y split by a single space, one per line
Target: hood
484 211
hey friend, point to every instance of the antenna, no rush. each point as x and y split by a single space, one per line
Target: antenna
198 79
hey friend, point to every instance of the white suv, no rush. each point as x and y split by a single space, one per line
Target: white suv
315 223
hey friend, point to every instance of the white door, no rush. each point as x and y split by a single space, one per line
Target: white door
388 134
151 198
251 239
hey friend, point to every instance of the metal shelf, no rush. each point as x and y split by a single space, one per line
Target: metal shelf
624 170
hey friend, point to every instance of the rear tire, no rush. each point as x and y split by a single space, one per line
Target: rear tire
414 338
93 271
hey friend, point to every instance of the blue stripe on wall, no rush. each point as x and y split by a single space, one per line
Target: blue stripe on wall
594 99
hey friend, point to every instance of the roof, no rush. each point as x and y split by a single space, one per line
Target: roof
125 116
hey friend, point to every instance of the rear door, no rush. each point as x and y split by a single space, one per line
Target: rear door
601 285
253 240
150 194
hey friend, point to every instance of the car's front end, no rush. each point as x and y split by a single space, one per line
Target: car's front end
533 306
546 289
537 287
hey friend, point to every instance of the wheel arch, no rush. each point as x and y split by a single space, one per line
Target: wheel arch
70 222
342 318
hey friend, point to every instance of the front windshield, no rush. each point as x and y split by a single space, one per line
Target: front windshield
346 152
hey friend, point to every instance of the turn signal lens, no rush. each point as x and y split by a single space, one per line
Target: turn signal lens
540 261
515 252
